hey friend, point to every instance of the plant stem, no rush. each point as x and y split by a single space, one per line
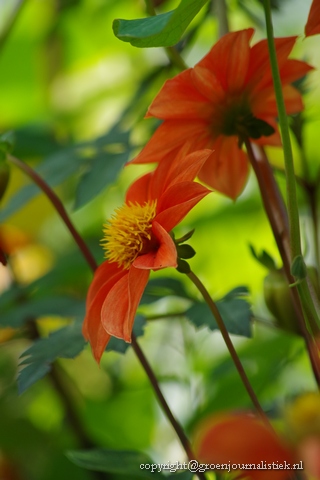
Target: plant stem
284 127
220 9
225 334
72 418
92 263
277 215
50 194
172 53
177 427
292 202
10 24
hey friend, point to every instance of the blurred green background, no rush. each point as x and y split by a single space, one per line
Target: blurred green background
65 82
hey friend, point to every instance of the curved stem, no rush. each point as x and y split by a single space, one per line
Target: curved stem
179 431
225 334
307 300
277 215
55 200
92 263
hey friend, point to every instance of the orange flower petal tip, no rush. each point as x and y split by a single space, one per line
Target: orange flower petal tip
313 23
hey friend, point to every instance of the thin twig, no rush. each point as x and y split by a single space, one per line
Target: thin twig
278 218
55 200
225 334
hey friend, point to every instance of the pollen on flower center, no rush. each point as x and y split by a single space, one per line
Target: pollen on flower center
128 232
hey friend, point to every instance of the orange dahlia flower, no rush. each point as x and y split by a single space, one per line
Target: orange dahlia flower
137 241
242 443
226 97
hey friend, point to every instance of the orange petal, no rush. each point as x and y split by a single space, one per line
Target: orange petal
207 83
177 201
92 328
226 170
259 69
138 192
105 272
164 256
243 439
171 135
176 168
313 23
263 107
120 306
179 99
229 59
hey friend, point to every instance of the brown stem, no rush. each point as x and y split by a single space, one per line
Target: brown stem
55 200
177 427
55 376
92 263
225 334
278 218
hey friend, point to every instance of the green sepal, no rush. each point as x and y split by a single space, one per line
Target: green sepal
264 258
185 251
184 238
4 175
183 266
298 268
6 144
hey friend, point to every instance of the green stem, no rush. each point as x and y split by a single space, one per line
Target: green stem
225 334
92 263
287 150
277 215
12 20
292 202
172 53
220 9
179 431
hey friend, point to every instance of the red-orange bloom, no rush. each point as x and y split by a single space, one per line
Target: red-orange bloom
238 441
137 241
313 23
226 97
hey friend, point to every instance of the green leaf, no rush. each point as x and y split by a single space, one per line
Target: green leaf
185 251
298 268
66 342
163 287
183 266
62 164
264 258
25 309
7 142
125 462
104 170
120 346
54 170
234 311
162 30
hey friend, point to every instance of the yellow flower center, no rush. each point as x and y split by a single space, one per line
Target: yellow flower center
128 233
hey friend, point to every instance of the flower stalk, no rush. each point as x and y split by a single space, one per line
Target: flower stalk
278 218
93 265
307 301
225 334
